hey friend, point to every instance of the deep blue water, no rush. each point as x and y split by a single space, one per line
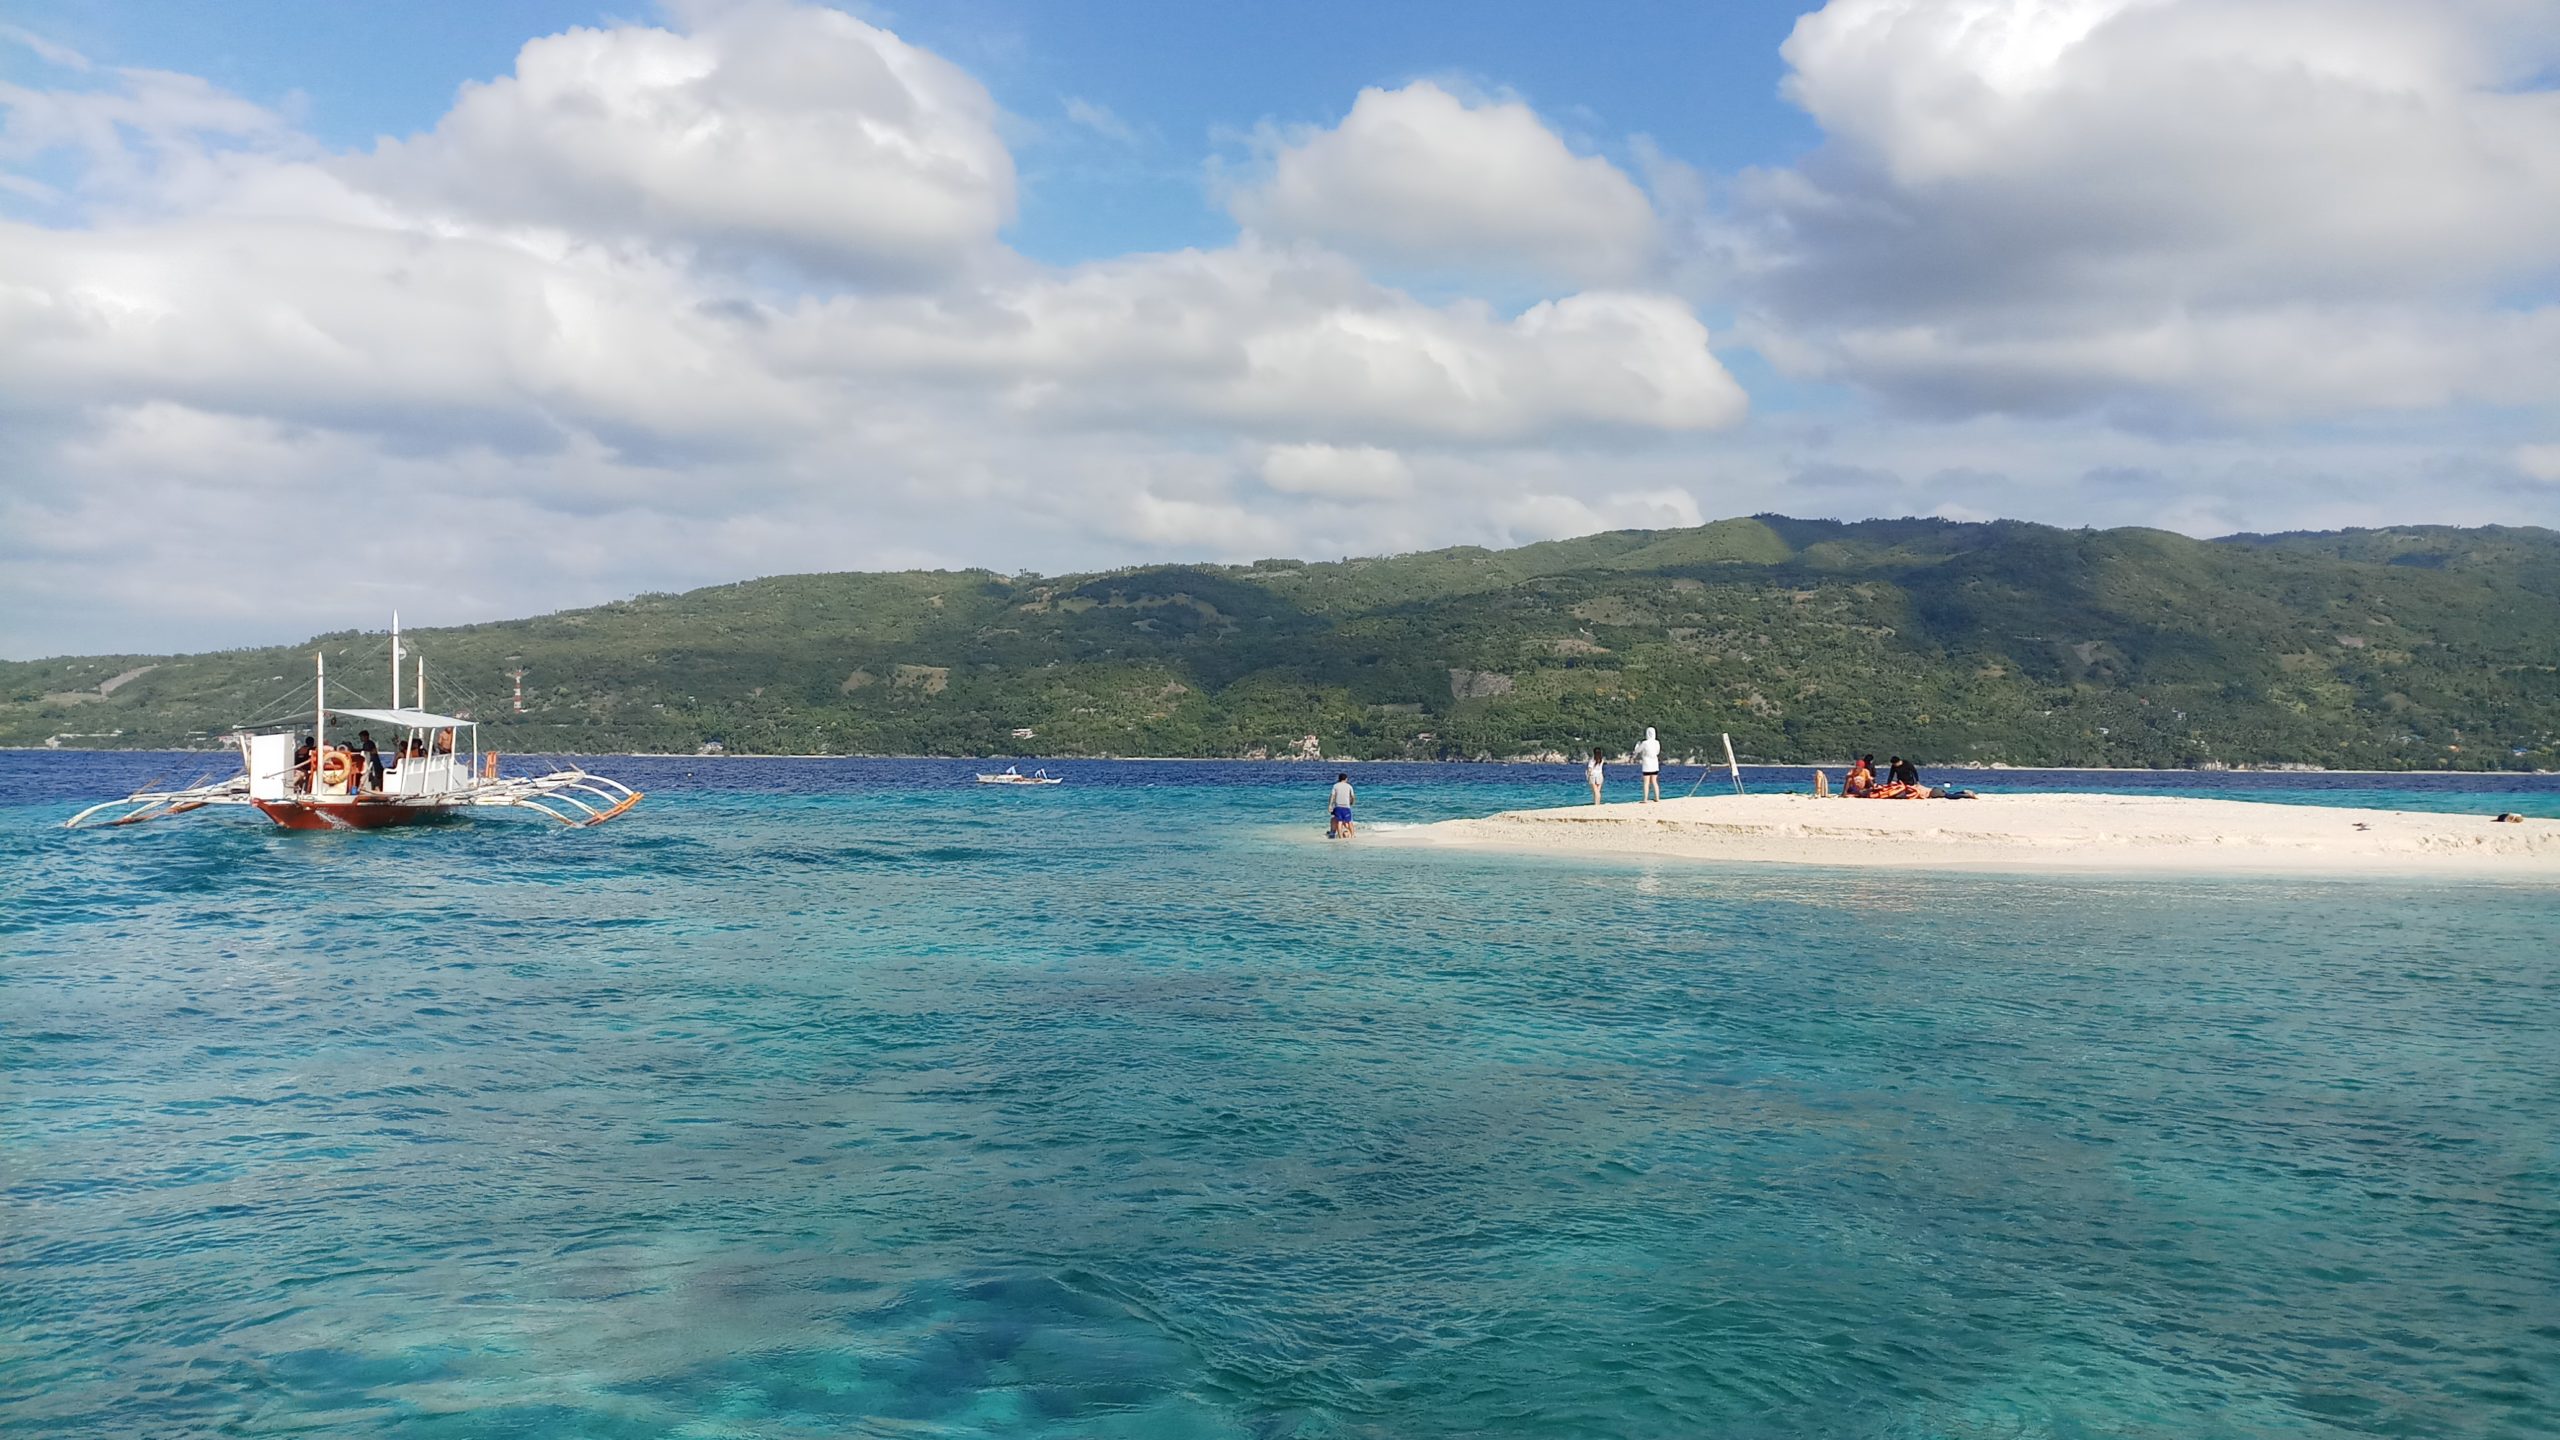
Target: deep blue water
847 1098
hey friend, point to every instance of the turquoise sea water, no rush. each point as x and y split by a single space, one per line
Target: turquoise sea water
846 1098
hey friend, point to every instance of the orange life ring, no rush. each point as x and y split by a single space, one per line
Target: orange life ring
335 766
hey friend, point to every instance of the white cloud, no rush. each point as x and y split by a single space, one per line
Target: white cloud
1100 120
761 127
632 365
1287 340
140 135
1546 516
2243 208
369 327
1353 472
2265 363
1420 177
536 314
61 57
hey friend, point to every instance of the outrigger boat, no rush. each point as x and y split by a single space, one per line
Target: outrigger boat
426 774
1013 776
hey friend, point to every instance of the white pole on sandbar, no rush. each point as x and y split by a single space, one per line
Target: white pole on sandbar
1732 765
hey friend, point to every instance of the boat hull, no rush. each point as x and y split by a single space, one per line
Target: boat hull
363 812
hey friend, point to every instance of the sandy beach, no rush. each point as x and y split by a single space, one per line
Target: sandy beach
2024 833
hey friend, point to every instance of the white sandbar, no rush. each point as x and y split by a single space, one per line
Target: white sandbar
2023 832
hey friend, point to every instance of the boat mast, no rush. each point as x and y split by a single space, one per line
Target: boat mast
395 659
422 682
319 711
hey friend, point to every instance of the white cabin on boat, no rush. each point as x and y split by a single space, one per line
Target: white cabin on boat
426 755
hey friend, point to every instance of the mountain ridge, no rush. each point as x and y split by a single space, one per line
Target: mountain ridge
2408 647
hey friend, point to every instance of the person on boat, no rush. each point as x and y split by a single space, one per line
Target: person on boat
1862 778
1595 770
1649 762
444 742
372 777
304 763
1341 829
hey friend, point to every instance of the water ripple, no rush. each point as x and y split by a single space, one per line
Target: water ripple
881 1111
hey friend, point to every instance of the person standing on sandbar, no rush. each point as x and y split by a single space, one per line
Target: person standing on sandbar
1342 828
1649 761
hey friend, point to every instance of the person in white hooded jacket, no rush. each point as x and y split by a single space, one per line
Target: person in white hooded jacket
1649 760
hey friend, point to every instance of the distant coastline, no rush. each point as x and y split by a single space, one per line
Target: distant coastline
2421 649
1520 762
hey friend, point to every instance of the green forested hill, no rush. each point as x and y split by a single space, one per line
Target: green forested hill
2421 647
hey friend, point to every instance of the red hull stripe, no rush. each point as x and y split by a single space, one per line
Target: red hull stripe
358 814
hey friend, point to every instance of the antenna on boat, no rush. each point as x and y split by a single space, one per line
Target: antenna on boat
395 659
422 682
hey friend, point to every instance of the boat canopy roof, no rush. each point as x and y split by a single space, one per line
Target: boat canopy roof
414 719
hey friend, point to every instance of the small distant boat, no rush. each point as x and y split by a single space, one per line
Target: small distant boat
1013 776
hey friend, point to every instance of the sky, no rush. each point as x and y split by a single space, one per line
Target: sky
310 311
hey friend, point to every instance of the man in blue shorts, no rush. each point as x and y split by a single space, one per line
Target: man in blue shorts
1341 827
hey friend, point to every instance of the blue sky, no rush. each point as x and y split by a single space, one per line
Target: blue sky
673 294
1701 79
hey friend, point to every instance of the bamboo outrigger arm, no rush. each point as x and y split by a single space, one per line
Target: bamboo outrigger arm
559 796
149 804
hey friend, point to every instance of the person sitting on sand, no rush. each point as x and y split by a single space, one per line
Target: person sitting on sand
1862 778
1341 828
1649 762
1595 771
1901 782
